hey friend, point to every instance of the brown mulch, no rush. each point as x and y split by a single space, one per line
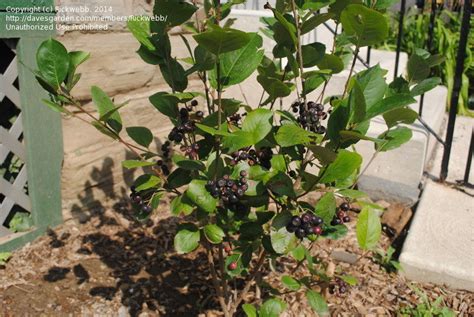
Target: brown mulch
108 265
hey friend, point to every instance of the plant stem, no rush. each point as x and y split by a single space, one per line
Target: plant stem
210 259
356 52
298 48
222 271
260 261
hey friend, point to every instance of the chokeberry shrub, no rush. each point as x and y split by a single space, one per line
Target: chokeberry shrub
243 172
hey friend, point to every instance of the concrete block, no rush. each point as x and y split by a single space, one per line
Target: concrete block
439 247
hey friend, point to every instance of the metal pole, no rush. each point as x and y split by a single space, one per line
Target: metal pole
469 159
399 38
429 45
461 55
369 48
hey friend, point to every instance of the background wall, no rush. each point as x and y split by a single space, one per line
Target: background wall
92 174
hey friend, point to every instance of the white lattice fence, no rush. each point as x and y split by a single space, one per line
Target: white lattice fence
12 150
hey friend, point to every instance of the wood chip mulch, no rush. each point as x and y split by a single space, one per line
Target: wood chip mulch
108 265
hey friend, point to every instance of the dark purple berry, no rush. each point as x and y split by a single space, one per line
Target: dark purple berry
346 219
344 206
300 233
194 103
296 221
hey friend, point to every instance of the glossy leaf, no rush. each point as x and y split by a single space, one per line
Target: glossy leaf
332 62
272 308
146 181
181 205
53 62
187 238
291 134
364 26
326 207
218 40
199 195
344 166
104 106
313 53
214 233
400 115
317 302
387 104
290 283
368 228
394 139
141 135
313 22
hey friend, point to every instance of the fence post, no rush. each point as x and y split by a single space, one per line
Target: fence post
40 149
453 106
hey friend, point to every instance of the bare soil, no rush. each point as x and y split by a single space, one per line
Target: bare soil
106 264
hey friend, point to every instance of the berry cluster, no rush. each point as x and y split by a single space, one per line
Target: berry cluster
164 168
339 287
187 125
236 118
227 189
305 225
310 115
140 201
165 149
262 157
191 151
341 215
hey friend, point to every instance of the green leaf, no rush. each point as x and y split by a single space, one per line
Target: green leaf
357 104
389 103
129 164
349 279
4 256
368 228
335 232
53 62
54 106
187 164
140 28
372 82
313 80
174 74
400 115
364 26
214 233
278 162
155 199
344 166
249 310
326 207
314 22
176 12
146 181
418 69
394 139
250 231
298 253
104 130
287 25
236 66
165 103
187 238
323 154
104 105
272 308
21 221
258 122
317 302
332 62
274 87
141 135
218 40
291 134
282 241
313 53
425 85
181 205
179 177
281 184
290 283
204 59
199 195
352 193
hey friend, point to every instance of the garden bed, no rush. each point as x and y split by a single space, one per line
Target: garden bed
108 265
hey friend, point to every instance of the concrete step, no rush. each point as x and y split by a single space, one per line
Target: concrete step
440 246
396 175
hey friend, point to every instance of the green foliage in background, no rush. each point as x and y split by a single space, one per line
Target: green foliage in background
445 43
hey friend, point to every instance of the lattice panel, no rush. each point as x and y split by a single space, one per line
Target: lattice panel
13 178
